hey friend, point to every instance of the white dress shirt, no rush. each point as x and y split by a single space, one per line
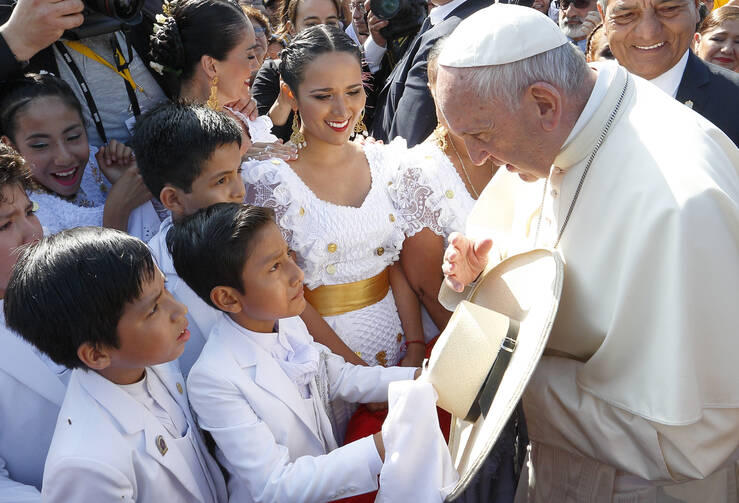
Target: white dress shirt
670 80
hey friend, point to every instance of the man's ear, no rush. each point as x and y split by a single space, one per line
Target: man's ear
225 299
93 356
170 198
548 102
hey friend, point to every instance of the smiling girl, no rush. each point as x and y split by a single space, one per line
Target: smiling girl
74 184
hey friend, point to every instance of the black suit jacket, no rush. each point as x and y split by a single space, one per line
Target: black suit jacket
404 105
714 92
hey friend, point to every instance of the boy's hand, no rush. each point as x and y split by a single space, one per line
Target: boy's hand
114 159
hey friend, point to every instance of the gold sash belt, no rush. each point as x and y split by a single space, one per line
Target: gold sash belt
330 300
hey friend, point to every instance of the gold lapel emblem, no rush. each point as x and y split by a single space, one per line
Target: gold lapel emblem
179 388
689 104
161 445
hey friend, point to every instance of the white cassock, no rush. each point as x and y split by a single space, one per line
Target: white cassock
637 396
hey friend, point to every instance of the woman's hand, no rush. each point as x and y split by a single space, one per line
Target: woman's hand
247 106
113 159
262 151
464 260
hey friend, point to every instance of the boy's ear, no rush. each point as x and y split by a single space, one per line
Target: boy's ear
225 299
170 198
94 357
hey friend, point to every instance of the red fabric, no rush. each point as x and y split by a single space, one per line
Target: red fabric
365 422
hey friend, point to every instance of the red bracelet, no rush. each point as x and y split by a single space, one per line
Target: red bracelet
415 342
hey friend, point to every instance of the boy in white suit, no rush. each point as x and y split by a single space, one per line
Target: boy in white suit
94 301
261 385
31 386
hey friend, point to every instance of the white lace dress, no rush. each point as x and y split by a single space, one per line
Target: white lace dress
429 193
86 207
341 244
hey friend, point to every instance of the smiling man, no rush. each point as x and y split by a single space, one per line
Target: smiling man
651 38
636 397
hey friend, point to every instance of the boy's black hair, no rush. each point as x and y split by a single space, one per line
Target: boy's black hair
13 170
210 247
17 94
173 140
72 287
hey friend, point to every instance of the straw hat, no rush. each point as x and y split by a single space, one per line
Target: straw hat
483 360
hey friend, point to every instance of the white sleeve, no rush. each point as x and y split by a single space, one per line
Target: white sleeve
82 479
263 465
360 384
15 492
373 54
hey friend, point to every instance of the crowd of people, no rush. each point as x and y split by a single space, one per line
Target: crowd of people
227 227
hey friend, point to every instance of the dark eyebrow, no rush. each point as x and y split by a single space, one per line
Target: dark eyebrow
221 173
273 257
44 135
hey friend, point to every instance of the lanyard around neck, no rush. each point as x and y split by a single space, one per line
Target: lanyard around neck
125 73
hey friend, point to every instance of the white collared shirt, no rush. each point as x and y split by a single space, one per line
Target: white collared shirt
373 53
670 80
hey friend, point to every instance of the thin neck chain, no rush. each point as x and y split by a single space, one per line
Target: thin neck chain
464 169
601 138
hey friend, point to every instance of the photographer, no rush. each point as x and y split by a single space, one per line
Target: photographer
107 67
404 105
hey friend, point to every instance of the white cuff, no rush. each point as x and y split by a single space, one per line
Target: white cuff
373 53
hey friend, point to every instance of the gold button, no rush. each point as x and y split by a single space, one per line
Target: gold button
381 358
428 157
331 269
449 194
179 388
392 217
275 161
358 353
389 183
400 337
380 251
301 212
331 247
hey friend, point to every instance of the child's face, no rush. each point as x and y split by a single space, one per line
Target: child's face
219 182
151 330
51 137
273 283
18 226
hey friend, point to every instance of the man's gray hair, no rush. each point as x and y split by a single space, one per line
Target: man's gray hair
563 67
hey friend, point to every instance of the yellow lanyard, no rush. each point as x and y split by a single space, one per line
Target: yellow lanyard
89 53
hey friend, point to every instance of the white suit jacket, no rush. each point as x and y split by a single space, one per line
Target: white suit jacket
264 430
200 316
30 397
105 447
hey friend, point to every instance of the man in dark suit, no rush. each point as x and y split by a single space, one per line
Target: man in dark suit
404 105
659 51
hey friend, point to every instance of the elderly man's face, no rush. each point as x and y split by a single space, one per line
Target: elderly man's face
572 15
649 37
489 129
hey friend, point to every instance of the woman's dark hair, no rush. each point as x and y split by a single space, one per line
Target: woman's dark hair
72 287
195 28
18 93
13 170
308 45
210 247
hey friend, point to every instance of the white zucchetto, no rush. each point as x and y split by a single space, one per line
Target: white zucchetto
500 34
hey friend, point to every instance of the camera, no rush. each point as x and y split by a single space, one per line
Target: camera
405 16
106 16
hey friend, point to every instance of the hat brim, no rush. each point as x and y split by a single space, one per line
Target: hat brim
526 288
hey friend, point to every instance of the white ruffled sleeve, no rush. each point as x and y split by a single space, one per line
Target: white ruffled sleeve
265 187
428 192
56 214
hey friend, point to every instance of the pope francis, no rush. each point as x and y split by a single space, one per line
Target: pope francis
637 396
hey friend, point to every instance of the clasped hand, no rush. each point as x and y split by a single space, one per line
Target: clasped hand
464 260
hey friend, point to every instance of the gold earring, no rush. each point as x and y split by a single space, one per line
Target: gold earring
359 127
297 138
213 98
440 135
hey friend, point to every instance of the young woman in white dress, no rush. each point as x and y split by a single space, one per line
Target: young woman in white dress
335 210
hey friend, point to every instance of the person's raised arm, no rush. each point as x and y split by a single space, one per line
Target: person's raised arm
36 24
